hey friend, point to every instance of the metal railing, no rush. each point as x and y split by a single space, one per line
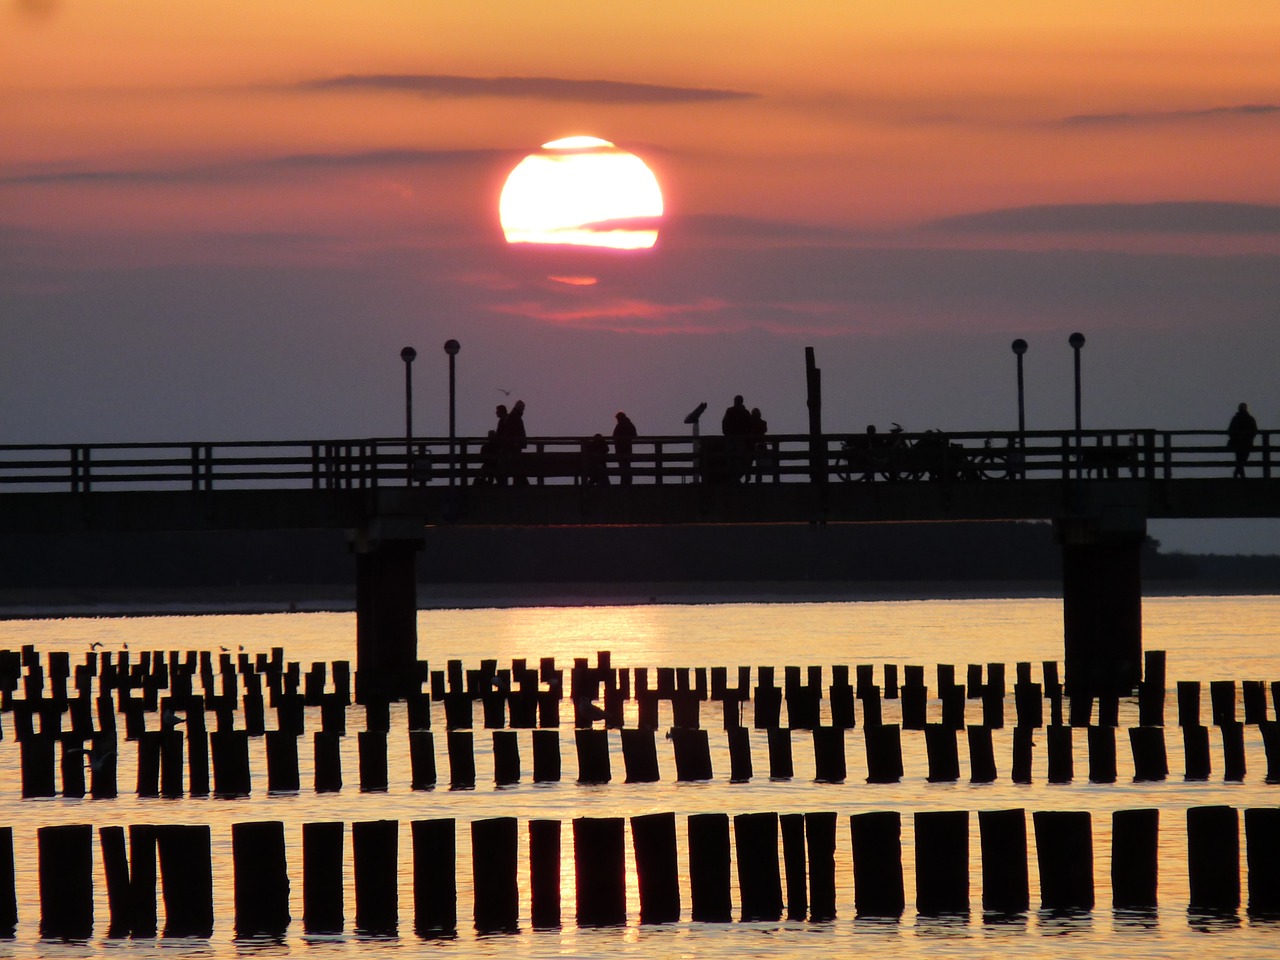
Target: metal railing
354 464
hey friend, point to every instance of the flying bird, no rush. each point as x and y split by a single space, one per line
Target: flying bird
505 393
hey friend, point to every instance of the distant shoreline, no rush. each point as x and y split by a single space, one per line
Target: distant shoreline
51 604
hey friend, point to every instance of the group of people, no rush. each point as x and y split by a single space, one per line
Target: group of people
744 431
500 453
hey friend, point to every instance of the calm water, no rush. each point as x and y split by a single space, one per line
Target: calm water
1205 639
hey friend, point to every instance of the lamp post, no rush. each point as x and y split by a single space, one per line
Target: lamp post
1019 347
451 347
1076 340
408 354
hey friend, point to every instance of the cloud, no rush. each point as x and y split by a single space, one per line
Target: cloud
1169 116
1172 217
534 88
248 169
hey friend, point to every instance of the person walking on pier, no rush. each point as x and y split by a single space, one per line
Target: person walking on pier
624 432
1240 436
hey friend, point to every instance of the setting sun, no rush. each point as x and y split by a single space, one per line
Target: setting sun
582 191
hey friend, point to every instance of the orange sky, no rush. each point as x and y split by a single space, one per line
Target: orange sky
865 116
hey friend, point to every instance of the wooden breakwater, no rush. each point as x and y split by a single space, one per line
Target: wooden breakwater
190 718
786 867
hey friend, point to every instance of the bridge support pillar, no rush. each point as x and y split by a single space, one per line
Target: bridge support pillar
386 609
1102 603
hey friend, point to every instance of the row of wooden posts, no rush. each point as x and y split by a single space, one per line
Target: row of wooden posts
1063 849
161 770
159 685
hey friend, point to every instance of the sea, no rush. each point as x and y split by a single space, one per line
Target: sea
1204 639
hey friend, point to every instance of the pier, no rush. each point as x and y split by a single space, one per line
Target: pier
1098 488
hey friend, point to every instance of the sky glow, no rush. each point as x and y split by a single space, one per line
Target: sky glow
224 221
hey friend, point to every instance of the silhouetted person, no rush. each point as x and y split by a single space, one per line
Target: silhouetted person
736 427
511 440
1240 436
759 427
597 456
489 461
624 432
497 444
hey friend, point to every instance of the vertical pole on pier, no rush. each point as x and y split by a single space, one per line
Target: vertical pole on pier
546 756
544 874
8 887
709 868
493 864
261 879
813 394
435 882
374 848
877 864
66 882
422 759
653 837
639 756
322 896
598 856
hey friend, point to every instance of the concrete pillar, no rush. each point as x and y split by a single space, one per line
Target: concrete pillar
1102 602
386 607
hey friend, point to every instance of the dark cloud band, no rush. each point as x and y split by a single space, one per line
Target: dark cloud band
535 88
1177 217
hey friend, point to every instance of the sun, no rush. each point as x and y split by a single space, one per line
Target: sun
581 191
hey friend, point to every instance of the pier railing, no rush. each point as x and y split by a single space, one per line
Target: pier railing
952 457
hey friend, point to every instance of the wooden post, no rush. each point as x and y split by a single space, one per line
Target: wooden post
261 879
883 745
282 762
653 836
1213 859
1262 838
593 756
942 862
639 756
66 881
506 758
1003 836
598 856
186 870
142 881
759 882
780 766
709 868
877 864
1135 841
115 867
693 754
982 756
493 864
322 896
944 758
820 841
793 857
328 762
1150 761
435 882
1195 748
422 759
462 760
373 761
1064 854
374 847
1102 754
828 754
544 873
546 756
740 768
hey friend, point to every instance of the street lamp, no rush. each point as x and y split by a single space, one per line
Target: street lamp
408 354
451 347
1019 347
1076 340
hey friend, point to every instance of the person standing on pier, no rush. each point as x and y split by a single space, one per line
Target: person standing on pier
1240 436
624 432
736 427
